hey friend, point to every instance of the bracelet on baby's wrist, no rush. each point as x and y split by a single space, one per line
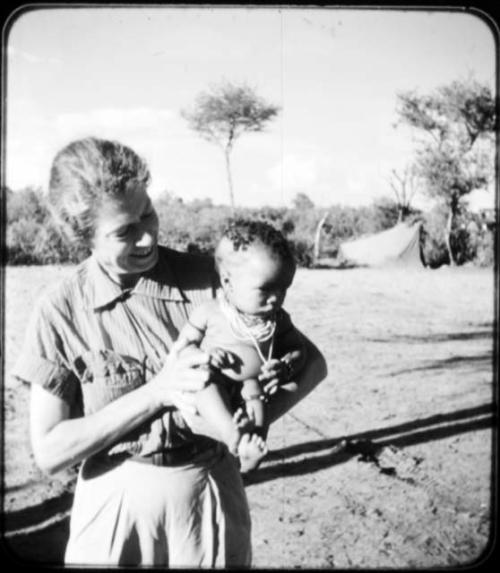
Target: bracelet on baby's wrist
255 396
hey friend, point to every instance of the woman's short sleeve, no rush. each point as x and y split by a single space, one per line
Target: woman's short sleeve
41 360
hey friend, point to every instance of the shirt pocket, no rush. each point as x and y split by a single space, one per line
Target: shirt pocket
106 376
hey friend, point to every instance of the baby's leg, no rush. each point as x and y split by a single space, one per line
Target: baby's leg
252 448
212 404
252 394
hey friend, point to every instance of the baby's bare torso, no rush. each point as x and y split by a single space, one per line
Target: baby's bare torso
219 334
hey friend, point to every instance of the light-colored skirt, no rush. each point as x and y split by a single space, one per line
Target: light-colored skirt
194 515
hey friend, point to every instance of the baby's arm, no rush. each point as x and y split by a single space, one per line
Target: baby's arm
291 350
251 393
193 332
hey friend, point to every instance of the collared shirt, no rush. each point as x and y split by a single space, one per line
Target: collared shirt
89 341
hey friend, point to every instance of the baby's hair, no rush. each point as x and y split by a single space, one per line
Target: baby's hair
84 174
243 233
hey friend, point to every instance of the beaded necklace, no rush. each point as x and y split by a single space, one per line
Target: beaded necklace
248 327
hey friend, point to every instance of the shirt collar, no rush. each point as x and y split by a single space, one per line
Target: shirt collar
159 282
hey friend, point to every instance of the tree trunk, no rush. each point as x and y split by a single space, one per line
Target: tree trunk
227 153
449 226
403 212
317 237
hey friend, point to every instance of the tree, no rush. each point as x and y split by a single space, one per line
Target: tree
302 202
404 186
317 236
386 212
456 155
225 112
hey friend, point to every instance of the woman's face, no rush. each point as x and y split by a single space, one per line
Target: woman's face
126 235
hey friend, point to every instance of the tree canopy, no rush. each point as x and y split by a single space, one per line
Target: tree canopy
226 111
464 110
456 153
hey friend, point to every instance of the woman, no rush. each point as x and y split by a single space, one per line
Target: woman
108 382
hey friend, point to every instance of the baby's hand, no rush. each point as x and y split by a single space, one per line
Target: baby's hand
272 374
275 372
221 358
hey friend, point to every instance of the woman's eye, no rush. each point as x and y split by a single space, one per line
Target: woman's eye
122 233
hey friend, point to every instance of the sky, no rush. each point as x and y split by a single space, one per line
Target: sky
127 73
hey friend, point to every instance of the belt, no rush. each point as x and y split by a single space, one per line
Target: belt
175 456
100 463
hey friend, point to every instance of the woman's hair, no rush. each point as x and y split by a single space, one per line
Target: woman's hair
84 174
240 234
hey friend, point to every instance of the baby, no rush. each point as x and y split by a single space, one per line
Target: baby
244 330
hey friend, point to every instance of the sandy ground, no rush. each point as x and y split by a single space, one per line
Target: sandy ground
387 464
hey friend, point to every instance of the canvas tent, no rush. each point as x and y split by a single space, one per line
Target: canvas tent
399 245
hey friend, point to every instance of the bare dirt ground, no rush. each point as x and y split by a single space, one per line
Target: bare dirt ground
387 464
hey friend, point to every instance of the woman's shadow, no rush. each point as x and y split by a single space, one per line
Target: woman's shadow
332 451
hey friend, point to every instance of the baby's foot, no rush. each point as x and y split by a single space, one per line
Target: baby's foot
252 449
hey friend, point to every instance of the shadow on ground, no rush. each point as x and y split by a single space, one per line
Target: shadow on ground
329 451
479 362
46 545
438 337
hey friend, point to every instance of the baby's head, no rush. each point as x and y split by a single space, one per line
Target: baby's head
255 265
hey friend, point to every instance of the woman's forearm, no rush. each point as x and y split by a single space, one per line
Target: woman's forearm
314 371
60 442
69 441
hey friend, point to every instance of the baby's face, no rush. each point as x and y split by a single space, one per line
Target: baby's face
258 285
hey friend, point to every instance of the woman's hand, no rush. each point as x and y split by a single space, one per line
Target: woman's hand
222 359
272 375
185 370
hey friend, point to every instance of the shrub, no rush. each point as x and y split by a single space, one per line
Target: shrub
195 226
303 252
32 237
28 204
485 253
433 238
471 240
192 226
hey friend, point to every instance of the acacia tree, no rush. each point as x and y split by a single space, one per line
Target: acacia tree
225 112
455 156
